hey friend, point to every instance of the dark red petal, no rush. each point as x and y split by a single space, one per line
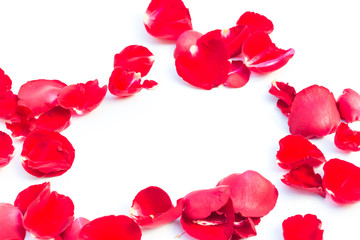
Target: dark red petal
238 75
20 121
300 227
56 119
283 91
49 207
73 231
244 227
349 105
256 22
111 227
347 139
6 149
342 181
123 83
47 154
251 193
82 97
304 177
28 195
135 58
40 95
204 65
8 104
313 113
185 41
167 19
295 150
11 226
5 82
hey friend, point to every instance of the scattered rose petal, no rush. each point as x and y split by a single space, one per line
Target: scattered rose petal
295 150
40 95
152 207
28 195
11 225
342 181
347 139
6 149
82 97
286 95
73 231
304 177
244 227
56 119
252 194
8 104
149 84
111 227
167 19
349 105
5 82
20 122
313 113
256 22
47 154
300 227
185 41
238 75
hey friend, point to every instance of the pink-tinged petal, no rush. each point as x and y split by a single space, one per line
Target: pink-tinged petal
6 149
300 227
29 194
349 105
256 22
295 150
135 58
185 41
262 55
5 82
40 95
342 181
284 92
11 224
204 65
238 75
49 215
73 231
20 122
152 207
8 104
56 119
82 97
347 139
167 19
111 227
244 227
304 177
123 83
313 113
251 193
47 154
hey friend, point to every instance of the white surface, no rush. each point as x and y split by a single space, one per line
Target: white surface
177 137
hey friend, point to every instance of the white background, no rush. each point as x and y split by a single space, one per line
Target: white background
178 137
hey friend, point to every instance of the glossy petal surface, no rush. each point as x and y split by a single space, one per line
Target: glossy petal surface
11 227
256 22
73 231
347 139
300 227
56 119
29 194
6 149
238 76
349 105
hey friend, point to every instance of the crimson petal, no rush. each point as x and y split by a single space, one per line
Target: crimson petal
28 195
20 122
286 95
256 22
349 105
238 76
185 41
300 227
5 82
11 224
123 83
347 139
6 149
244 227
8 104
56 119
73 231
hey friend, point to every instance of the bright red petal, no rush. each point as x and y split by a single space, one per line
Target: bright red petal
299 227
28 195
167 19
256 22
185 41
349 105
111 227
5 82
56 119
149 84
283 91
47 154
11 225
73 231
20 122
6 149
238 75
313 113
8 104
347 139
123 83
342 181
243 227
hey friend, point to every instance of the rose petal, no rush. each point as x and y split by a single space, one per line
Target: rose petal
304 177
286 95
56 119
6 149
8 104
20 122
347 139
123 83
185 41
47 154
256 22
349 105
11 225
251 193
243 227
167 19
342 181
5 82
300 227
111 227
238 75
28 195
313 113
295 150
149 84
73 231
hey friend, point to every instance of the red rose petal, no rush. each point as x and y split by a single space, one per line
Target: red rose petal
149 84
167 19
313 113
135 58
251 193
123 83
82 97
40 95
20 121
238 75
185 41
349 105
256 22
111 227
243 227
6 149
11 225
342 181
204 65
56 119
286 95
73 231
5 82
47 154
295 150
347 139
152 207
299 227
28 195
304 177
8 104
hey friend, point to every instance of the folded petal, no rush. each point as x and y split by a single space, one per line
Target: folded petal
349 105
73 231
300 227
256 22
238 76
56 119
6 149
123 83
286 95
11 224
28 195
20 122
244 227
347 139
